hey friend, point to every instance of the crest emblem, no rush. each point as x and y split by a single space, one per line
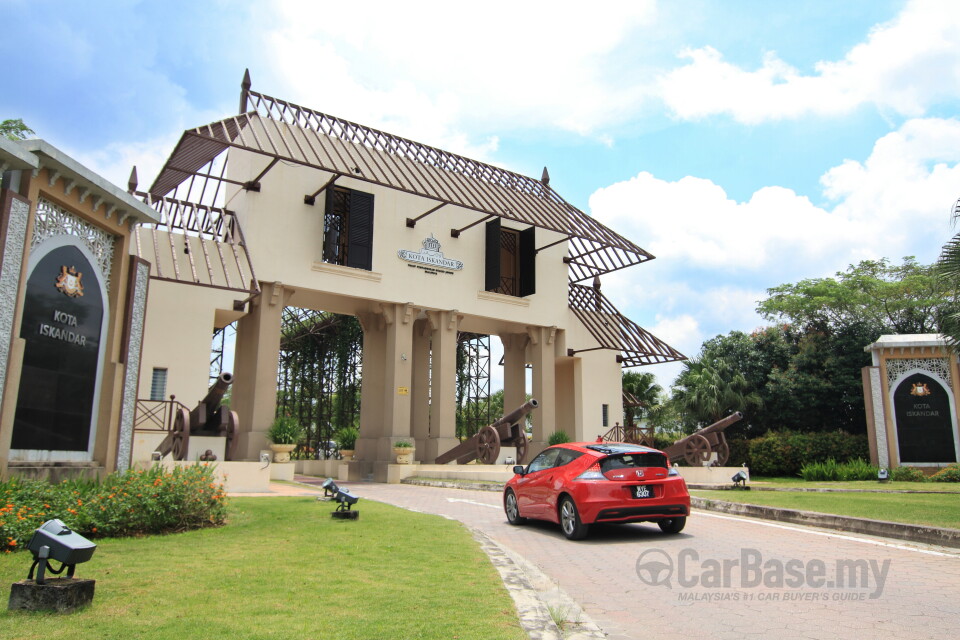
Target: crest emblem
920 389
69 282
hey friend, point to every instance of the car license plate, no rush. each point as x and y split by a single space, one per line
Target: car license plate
643 491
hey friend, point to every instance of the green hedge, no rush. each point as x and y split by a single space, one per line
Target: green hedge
783 453
157 500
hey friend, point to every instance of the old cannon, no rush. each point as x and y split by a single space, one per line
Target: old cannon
696 448
485 446
209 418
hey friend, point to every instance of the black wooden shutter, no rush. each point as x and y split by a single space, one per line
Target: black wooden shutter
528 262
360 231
492 275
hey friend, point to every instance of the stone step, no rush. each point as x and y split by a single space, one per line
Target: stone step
56 471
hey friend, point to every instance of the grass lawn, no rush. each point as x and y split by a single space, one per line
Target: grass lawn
867 485
283 568
938 510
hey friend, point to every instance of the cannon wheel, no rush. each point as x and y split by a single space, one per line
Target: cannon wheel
232 433
723 451
521 443
181 434
696 450
488 445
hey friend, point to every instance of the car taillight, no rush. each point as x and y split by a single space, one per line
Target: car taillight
592 473
673 472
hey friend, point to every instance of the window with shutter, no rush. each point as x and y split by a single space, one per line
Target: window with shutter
348 228
510 260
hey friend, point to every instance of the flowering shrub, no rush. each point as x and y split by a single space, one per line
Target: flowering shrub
947 474
157 500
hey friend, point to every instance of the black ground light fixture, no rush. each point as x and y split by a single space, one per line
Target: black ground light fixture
344 500
56 541
740 479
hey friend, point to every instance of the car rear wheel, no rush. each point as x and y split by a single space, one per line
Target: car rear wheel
673 525
570 521
510 506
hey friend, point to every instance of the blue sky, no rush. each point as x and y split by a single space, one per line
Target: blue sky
745 143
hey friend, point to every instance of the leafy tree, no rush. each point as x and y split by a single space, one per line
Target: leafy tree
886 297
15 129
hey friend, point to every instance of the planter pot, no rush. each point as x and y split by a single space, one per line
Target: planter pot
347 454
404 455
281 452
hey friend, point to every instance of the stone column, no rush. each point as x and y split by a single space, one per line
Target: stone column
397 377
514 370
443 384
254 395
420 386
371 394
543 358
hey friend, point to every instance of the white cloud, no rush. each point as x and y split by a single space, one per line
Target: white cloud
893 204
716 256
114 160
429 69
905 66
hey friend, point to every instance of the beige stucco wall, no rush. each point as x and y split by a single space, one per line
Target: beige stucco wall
285 237
178 335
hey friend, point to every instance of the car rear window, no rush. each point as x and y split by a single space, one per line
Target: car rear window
633 460
567 456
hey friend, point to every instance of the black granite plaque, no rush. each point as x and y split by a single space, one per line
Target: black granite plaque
62 318
924 421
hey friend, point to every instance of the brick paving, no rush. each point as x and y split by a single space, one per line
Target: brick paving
919 598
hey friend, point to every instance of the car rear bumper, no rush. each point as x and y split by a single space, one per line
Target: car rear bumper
640 514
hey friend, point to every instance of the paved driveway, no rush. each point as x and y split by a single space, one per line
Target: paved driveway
724 576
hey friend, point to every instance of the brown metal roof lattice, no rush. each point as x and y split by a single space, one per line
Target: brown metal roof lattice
287 132
636 346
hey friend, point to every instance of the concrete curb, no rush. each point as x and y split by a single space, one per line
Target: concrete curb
880 528
537 597
755 487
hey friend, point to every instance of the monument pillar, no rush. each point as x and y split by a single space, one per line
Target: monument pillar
254 395
420 386
443 384
543 357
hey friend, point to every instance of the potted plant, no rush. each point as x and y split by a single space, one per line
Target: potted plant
284 434
403 449
347 440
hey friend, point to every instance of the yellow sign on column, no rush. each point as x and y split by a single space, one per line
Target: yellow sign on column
403 391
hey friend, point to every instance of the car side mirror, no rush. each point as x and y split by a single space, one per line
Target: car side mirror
519 470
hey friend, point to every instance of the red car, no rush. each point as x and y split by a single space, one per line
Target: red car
579 483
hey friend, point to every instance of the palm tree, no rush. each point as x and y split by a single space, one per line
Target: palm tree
948 272
644 388
710 389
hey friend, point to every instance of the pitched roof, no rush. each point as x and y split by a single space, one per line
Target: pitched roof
285 131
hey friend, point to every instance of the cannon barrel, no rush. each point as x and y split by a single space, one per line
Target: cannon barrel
215 395
517 413
720 425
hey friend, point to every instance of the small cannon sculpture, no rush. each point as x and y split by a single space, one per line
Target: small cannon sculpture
485 446
209 418
696 448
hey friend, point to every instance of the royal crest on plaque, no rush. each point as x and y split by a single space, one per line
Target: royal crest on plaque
69 282
920 389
